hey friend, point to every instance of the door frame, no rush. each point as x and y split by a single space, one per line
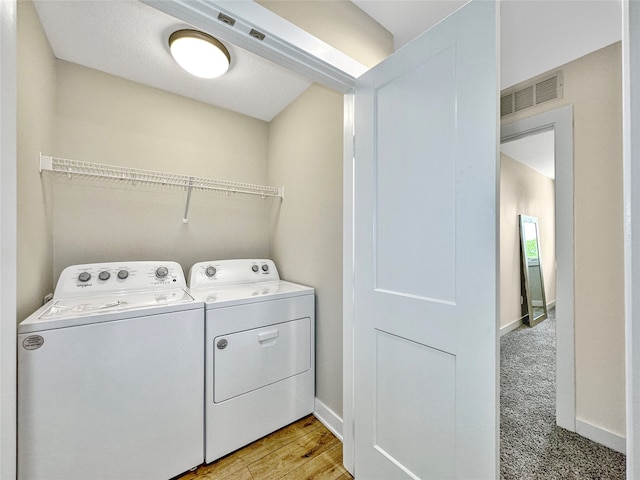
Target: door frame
561 122
631 178
348 289
8 241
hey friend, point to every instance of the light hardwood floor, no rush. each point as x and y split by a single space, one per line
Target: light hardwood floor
301 451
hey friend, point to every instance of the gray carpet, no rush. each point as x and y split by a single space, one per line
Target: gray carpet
531 445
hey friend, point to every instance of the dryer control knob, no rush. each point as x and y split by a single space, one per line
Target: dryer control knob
255 268
265 268
210 271
104 275
162 272
84 277
122 274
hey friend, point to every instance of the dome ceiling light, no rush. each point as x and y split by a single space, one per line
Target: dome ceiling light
199 54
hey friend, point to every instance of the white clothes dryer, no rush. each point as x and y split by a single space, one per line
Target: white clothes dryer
110 376
259 351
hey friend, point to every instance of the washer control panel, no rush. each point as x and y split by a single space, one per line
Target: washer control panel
115 277
229 272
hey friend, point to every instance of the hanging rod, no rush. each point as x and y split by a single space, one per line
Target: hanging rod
75 167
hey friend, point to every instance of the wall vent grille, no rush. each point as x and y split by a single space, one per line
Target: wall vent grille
530 94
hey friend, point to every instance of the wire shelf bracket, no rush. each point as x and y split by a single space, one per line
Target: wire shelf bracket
135 175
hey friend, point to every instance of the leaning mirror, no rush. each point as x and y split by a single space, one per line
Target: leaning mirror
535 300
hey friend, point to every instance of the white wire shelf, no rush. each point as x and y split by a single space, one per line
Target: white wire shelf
134 175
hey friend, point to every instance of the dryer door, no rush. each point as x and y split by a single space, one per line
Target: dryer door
246 361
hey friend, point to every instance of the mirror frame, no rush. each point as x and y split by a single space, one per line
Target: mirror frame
529 318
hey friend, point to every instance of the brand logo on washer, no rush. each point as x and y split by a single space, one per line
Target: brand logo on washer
32 342
222 344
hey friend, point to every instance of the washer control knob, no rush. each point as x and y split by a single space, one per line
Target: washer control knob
84 277
210 271
265 268
104 275
162 272
122 274
255 268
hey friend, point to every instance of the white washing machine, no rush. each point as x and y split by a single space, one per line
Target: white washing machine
110 376
259 351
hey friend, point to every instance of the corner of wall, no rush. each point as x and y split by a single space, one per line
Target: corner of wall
36 72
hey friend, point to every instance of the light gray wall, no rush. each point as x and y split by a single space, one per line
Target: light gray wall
36 109
305 155
105 119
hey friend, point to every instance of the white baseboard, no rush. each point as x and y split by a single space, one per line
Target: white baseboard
516 323
328 418
510 327
602 436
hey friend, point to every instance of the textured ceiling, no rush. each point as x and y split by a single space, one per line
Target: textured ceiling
129 39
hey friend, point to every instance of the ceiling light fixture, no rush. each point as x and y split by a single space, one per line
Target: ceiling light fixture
199 54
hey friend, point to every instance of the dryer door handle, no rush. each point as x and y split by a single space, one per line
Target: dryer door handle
268 335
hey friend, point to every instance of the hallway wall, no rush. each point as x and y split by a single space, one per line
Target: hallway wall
523 191
593 85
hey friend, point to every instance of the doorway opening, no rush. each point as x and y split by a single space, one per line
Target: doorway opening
560 122
551 343
527 300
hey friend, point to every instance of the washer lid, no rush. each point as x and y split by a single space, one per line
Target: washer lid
67 312
228 295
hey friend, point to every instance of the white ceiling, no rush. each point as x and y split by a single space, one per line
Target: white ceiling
535 151
536 36
93 33
406 19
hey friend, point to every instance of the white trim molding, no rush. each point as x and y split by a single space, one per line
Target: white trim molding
631 175
520 321
348 248
328 418
512 326
8 242
602 436
561 121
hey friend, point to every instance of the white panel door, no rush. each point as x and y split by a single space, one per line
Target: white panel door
425 211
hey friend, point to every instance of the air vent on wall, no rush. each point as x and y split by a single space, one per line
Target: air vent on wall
531 94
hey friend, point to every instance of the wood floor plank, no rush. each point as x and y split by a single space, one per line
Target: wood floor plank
241 474
241 458
345 476
304 450
327 466
291 456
